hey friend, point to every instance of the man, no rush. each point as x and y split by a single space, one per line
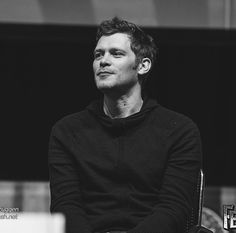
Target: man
125 163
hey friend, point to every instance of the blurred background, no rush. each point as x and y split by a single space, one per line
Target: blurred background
46 73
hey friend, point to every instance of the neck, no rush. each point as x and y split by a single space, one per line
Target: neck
123 105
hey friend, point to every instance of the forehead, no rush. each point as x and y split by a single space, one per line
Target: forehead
117 40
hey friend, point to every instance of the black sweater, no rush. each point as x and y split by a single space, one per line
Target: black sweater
136 174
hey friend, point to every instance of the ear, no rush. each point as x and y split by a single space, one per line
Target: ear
144 66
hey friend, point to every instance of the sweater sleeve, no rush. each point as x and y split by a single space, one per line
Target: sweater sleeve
64 183
178 185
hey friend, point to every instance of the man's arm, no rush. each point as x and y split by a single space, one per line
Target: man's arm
178 185
64 183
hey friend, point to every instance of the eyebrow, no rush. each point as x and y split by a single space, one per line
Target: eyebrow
117 49
111 49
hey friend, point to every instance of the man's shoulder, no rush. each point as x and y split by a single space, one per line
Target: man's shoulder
171 120
72 120
79 120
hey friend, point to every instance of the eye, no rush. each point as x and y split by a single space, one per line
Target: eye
117 54
97 55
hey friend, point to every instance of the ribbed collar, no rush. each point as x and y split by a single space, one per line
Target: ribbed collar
96 108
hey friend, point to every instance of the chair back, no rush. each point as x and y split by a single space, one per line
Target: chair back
196 212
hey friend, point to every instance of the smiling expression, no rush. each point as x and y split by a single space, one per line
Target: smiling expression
115 63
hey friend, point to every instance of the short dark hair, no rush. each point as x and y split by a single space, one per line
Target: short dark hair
142 44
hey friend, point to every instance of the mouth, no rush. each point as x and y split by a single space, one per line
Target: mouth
104 73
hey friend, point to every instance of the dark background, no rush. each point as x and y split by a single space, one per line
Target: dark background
46 73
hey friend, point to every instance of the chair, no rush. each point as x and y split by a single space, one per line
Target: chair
194 221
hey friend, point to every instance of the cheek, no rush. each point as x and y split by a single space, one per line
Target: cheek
95 66
125 66
129 69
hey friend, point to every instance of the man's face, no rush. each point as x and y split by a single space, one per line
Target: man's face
114 63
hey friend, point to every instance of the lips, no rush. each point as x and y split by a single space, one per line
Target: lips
104 72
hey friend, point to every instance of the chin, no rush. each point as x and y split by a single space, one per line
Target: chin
105 88
105 85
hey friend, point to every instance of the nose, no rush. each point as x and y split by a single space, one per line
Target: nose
105 61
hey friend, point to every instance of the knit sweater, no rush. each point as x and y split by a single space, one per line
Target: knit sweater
136 174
